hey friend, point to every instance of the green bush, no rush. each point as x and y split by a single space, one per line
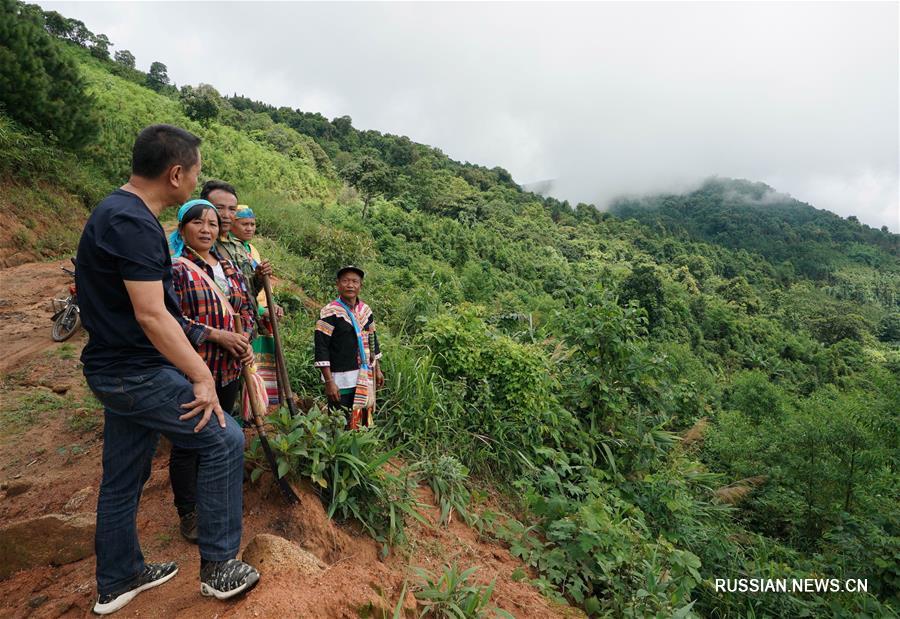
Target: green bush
349 467
511 409
731 411
600 554
39 85
447 476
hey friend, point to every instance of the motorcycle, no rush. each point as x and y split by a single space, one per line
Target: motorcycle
66 317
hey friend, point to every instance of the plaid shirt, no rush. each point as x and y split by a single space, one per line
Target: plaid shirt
203 311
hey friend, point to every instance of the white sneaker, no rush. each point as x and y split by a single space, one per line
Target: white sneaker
225 579
154 574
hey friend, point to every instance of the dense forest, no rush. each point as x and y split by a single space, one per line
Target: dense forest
641 401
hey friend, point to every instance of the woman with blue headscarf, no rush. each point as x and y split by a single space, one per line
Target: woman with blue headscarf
212 294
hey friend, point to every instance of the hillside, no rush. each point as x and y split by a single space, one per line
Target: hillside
50 444
755 217
630 404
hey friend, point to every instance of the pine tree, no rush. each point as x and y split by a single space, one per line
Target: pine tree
39 87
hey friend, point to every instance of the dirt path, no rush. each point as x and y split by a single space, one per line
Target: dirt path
50 448
25 310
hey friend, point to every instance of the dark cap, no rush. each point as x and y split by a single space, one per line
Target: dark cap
351 268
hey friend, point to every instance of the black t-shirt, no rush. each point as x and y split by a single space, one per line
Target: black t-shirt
122 240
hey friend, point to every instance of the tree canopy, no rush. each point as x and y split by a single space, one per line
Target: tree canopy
158 76
40 86
691 386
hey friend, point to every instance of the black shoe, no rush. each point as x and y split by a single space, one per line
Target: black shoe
154 574
224 579
188 527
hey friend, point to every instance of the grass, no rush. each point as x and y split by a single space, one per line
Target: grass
46 220
65 351
83 421
26 410
424 546
70 452
83 416
447 476
87 416
164 539
29 159
227 152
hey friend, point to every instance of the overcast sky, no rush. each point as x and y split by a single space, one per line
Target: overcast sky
604 99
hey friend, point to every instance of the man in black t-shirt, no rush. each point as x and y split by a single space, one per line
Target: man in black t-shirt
141 364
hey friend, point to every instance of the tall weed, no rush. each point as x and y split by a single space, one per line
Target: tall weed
452 593
350 469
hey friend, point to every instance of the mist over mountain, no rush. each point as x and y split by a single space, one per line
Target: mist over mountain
633 402
606 98
740 214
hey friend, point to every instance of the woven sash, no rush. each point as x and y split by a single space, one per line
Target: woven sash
364 396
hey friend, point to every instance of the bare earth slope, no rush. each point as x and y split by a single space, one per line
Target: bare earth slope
50 449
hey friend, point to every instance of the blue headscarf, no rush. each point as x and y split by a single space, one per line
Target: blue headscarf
176 241
244 212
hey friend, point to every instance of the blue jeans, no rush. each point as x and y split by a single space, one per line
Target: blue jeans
183 462
137 410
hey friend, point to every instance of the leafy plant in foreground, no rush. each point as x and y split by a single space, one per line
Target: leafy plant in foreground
451 593
349 469
446 476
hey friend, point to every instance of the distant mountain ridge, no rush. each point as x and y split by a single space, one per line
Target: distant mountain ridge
662 392
753 216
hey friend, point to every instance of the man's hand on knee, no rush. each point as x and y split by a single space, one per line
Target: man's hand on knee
205 403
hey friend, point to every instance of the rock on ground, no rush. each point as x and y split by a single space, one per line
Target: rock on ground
53 539
270 553
78 500
16 487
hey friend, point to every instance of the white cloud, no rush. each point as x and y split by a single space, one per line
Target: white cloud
604 97
874 192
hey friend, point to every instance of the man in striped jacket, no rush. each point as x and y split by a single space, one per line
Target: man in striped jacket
347 351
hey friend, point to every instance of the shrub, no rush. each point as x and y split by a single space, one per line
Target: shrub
451 593
446 476
511 409
349 467
600 555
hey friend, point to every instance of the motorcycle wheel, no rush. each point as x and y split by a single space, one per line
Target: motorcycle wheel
66 324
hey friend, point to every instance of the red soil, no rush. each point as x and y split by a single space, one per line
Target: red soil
53 454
